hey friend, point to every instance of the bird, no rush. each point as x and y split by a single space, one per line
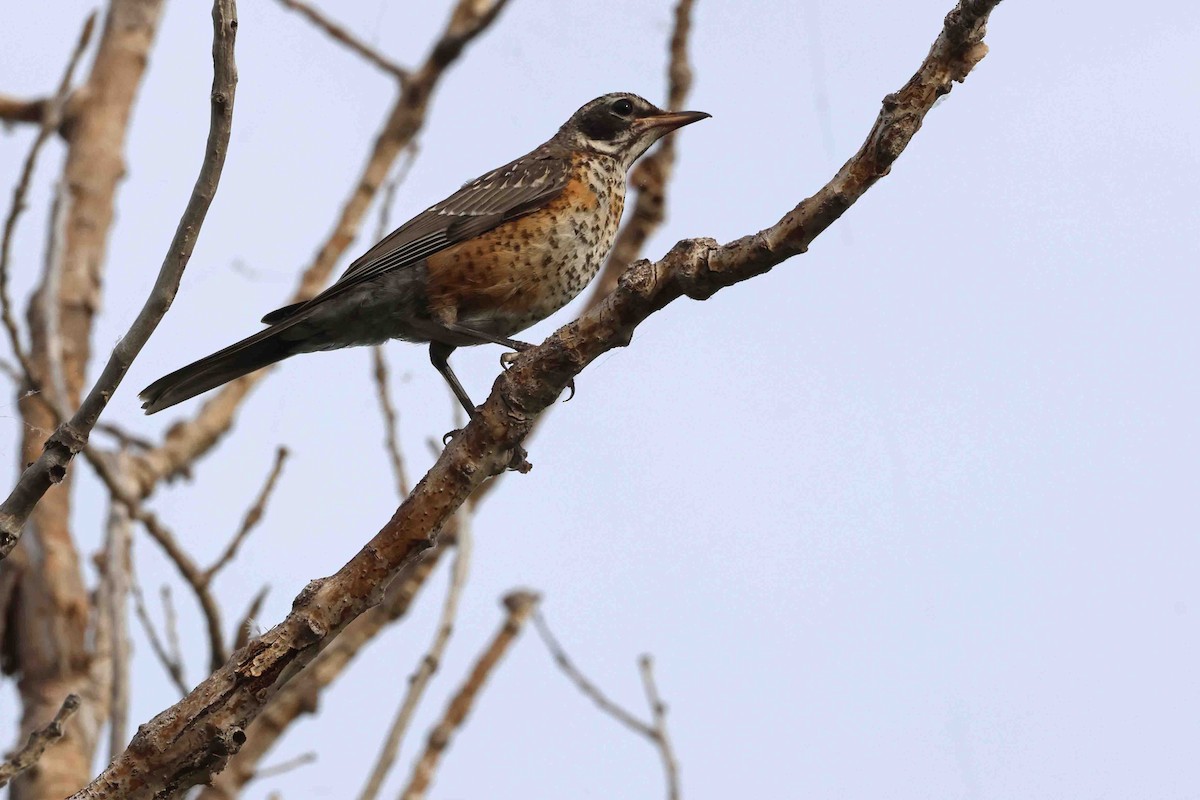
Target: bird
502 253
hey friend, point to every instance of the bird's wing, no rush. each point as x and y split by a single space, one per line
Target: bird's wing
503 194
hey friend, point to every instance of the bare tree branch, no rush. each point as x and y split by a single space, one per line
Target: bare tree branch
55 379
291 764
185 744
51 116
39 740
586 686
391 436
659 711
112 624
171 663
170 623
301 695
14 109
519 604
253 516
71 437
195 577
379 370
185 442
655 731
420 679
124 438
346 38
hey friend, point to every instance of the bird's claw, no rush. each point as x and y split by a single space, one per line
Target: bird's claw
510 358
571 386
448 436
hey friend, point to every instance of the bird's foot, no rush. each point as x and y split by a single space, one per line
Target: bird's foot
448 436
510 358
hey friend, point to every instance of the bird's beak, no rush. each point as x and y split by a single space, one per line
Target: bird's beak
670 120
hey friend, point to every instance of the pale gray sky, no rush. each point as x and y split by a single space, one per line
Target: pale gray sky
913 516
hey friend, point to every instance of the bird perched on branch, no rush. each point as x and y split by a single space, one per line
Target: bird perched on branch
505 251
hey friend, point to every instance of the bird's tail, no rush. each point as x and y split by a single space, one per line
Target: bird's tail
255 352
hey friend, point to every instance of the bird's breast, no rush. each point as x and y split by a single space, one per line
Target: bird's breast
523 271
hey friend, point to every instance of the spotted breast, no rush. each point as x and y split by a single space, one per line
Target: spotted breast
524 270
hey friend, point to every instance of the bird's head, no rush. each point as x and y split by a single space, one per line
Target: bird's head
622 125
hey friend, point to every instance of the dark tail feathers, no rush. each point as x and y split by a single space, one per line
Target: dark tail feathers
260 350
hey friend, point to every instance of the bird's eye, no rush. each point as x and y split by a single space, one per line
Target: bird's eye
622 107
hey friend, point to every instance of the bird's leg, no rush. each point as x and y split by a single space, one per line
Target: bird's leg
506 359
439 354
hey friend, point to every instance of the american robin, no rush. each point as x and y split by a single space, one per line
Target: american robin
505 251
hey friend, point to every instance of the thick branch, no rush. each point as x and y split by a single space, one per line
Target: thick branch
520 605
186 743
71 437
301 695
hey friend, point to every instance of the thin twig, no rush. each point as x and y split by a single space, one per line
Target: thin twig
380 371
124 438
171 623
191 573
654 731
519 604
391 435
658 710
253 516
71 436
49 298
172 665
51 117
275 770
586 686
420 679
38 741
346 38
